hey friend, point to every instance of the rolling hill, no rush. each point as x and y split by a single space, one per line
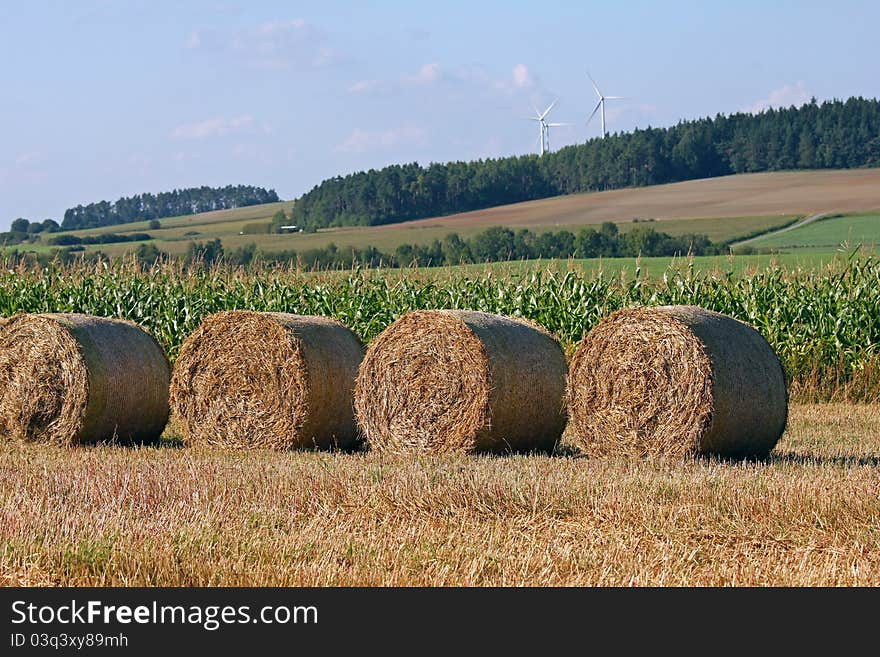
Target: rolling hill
723 208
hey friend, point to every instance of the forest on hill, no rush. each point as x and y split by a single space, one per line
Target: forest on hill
178 202
831 135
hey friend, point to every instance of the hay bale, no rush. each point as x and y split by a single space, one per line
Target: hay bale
273 380
676 380
68 379
461 381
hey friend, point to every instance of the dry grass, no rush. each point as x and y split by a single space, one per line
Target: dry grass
753 194
808 516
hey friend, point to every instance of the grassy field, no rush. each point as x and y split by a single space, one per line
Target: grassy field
808 515
826 234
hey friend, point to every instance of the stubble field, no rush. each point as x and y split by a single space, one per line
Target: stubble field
809 515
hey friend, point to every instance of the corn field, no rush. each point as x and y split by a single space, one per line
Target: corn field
824 324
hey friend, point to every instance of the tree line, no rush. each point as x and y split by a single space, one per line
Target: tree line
178 202
23 230
831 135
101 238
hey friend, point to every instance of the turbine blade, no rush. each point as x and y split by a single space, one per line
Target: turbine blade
616 97
595 86
556 125
547 111
598 105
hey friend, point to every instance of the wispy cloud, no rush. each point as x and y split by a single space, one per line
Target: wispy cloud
361 141
786 96
427 74
520 79
289 43
214 127
28 158
433 74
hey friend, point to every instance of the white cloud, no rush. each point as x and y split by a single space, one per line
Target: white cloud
361 141
215 127
428 74
785 96
521 76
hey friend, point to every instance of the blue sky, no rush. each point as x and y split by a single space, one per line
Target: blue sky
108 98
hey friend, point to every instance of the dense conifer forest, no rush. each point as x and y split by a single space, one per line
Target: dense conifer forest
830 135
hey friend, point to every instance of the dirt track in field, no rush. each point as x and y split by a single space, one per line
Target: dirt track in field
758 194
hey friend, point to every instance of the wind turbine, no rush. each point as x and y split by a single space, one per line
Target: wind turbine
601 104
544 127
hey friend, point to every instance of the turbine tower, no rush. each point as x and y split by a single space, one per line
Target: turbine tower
601 104
544 127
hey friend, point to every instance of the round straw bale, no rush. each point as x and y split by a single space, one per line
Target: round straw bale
440 381
270 380
69 379
676 380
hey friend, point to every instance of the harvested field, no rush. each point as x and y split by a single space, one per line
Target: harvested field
808 515
753 194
